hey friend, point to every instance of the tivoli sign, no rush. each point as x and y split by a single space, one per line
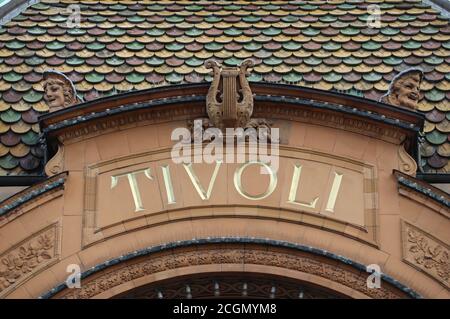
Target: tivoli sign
306 182
205 194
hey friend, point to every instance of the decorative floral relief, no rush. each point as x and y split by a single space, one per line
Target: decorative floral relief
142 267
428 254
20 262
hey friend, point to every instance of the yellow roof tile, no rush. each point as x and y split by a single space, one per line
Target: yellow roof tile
382 85
144 69
282 54
22 106
283 69
343 86
20 127
303 68
103 87
20 150
322 85
302 53
144 54
243 54
428 127
443 85
127 53
184 54
223 54
84 86
5 53
342 69
184 69
203 54
363 86
4 149
4 106
143 86
202 70
322 54
262 68
164 69
443 106
104 69
425 106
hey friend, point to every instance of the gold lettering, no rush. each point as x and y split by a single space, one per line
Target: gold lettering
294 187
133 185
196 182
334 192
238 181
168 184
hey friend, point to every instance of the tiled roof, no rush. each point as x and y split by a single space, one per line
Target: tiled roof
131 45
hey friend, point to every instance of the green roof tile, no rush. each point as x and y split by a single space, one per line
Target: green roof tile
154 61
30 138
232 61
10 116
9 162
174 19
15 45
95 46
371 46
213 46
436 137
12 77
33 97
332 77
254 77
194 62
135 46
76 32
174 46
194 32
272 61
94 77
55 46
135 78
435 95
292 77
271 31
174 78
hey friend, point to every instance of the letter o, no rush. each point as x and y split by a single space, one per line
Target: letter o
238 183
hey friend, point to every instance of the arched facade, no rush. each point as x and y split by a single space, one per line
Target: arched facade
344 197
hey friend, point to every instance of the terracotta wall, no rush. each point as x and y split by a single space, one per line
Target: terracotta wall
89 222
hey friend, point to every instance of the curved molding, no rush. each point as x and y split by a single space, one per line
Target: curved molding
417 190
186 102
407 164
56 164
17 202
230 250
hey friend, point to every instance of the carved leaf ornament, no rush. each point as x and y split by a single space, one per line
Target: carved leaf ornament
25 259
429 256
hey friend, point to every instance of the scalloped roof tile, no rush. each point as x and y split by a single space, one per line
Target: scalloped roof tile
127 45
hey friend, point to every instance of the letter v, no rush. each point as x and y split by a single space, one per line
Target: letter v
196 182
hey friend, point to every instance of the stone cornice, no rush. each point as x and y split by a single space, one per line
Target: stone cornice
272 101
409 185
31 193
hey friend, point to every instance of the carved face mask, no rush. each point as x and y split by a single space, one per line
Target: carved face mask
54 95
408 91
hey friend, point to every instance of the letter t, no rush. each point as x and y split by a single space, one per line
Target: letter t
133 185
